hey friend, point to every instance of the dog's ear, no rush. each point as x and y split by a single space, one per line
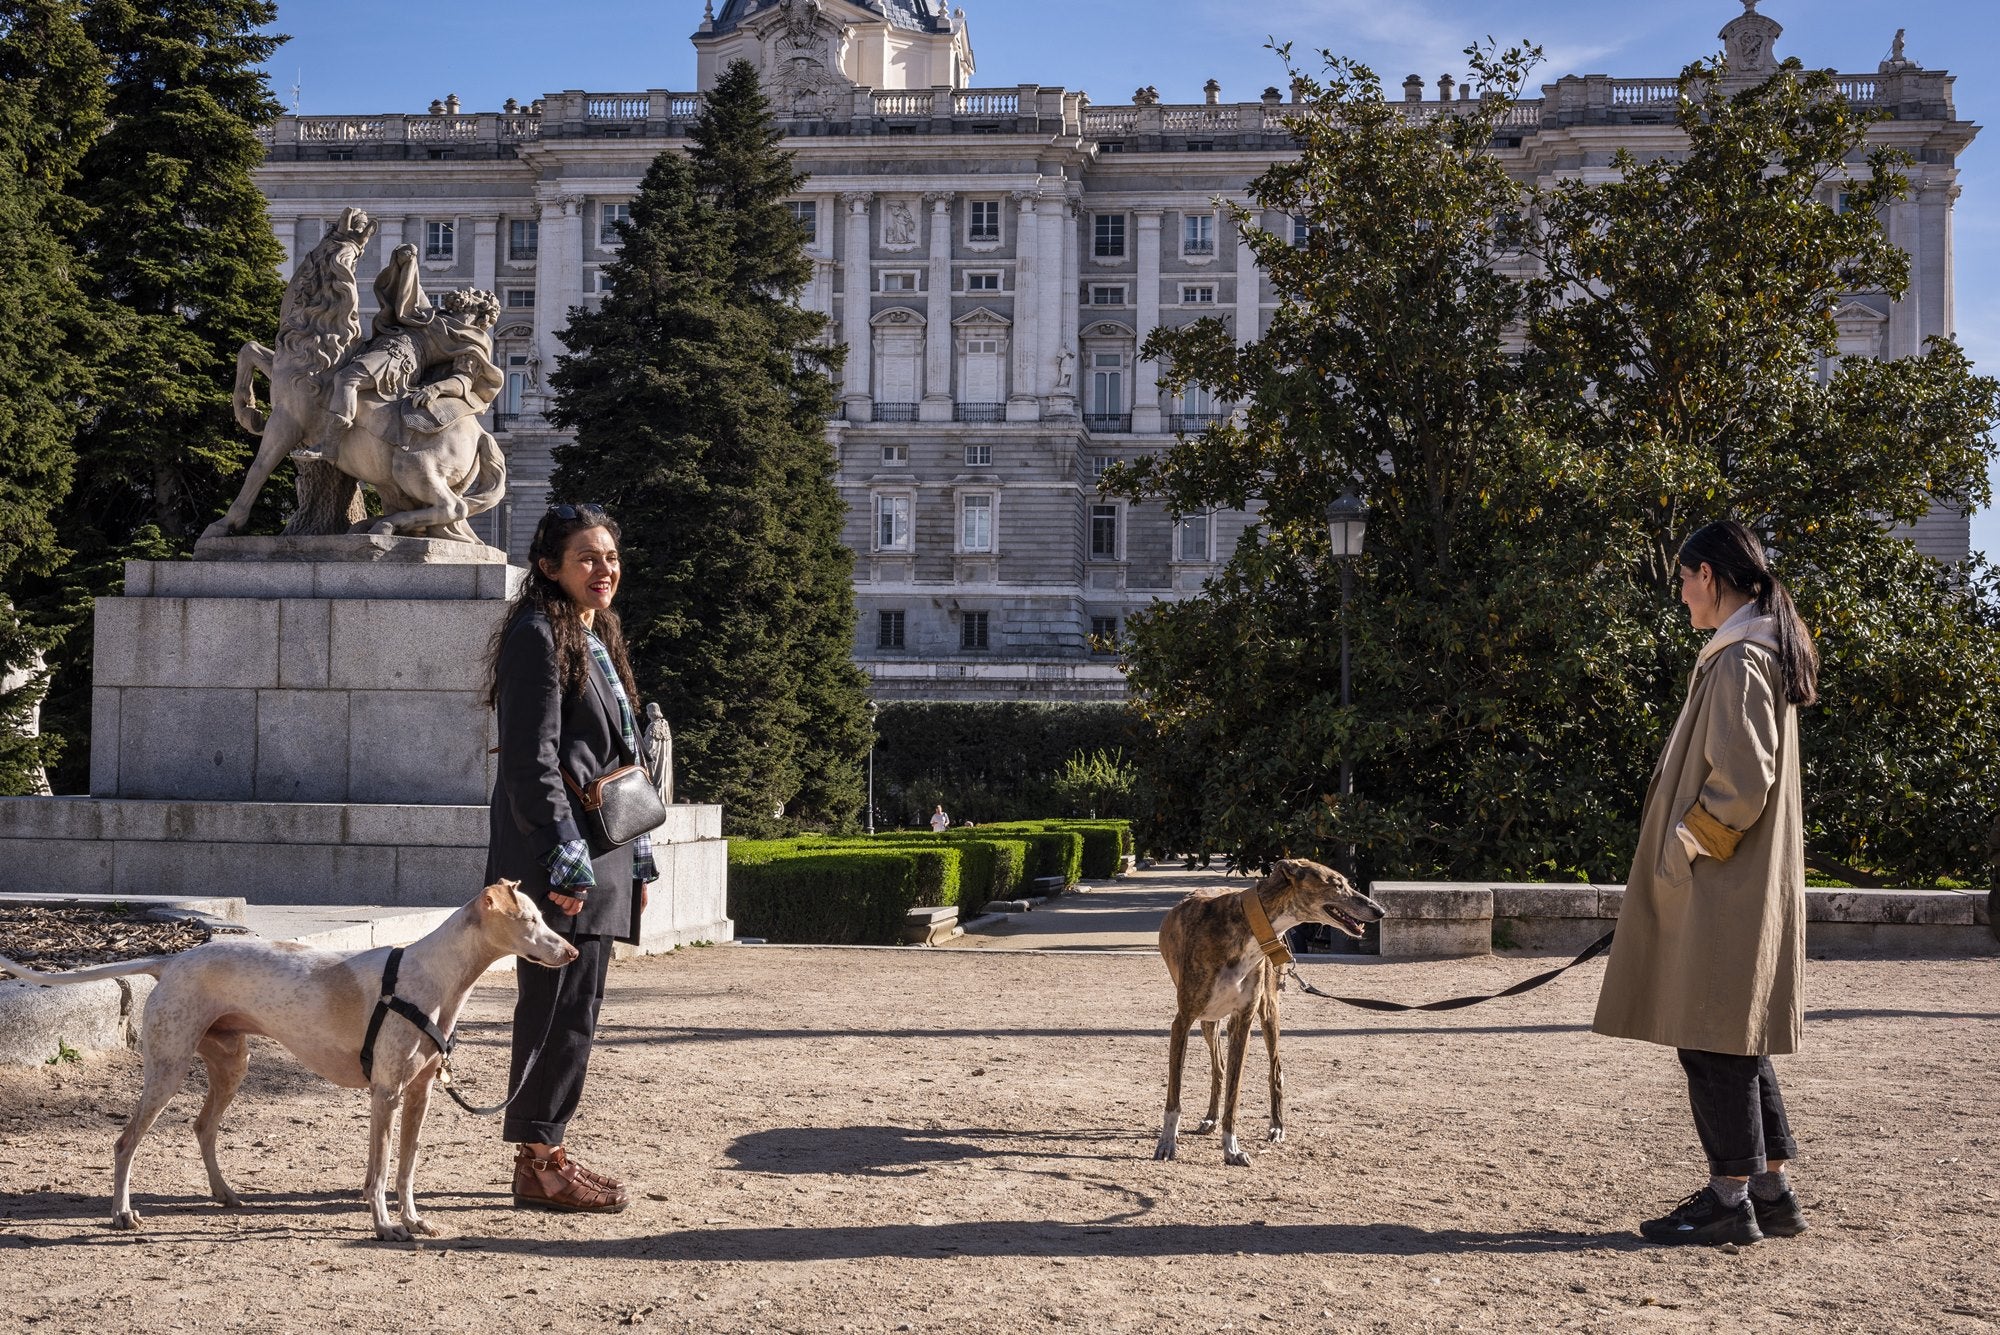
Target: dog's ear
498 897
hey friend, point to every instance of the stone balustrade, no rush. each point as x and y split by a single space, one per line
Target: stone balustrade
1451 919
1028 108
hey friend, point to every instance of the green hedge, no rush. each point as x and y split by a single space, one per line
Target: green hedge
986 760
994 867
839 898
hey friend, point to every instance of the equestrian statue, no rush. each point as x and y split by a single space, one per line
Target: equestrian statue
399 412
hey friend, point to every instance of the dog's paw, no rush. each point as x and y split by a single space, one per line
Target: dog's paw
227 1199
391 1233
1275 1135
1165 1150
421 1227
1203 1127
1233 1153
126 1219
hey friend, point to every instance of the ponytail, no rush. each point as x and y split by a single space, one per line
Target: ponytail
1736 557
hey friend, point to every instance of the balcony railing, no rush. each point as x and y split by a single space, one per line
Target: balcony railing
895 412
1108 421
978 412
1192 421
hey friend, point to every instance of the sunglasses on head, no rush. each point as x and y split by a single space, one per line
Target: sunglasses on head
568 512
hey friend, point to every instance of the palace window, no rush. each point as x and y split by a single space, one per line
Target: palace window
892 523
972 630
1191 538
982 282
1104 532
899 280
603 277
1100 464
524 238
975 526
520 298
888 630
1198 234
895 454
440 240
979 456
1107 294
1109 239
805 212
1103 635
608 218
1197 294
982 221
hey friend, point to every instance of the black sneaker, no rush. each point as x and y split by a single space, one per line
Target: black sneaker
1780 1218
1702 1219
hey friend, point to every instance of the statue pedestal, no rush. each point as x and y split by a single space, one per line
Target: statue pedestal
303 721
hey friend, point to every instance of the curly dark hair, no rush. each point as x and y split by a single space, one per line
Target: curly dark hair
541 594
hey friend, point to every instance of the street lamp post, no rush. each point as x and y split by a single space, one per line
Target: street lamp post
873 710
1346 526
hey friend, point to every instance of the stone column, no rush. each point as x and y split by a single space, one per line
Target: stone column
1931 273
1023 405
1146 374
1054 321
857 283
486 253
1247 285
413 232
558 285
936 406
1906 315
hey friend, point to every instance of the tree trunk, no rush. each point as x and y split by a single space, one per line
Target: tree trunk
329 502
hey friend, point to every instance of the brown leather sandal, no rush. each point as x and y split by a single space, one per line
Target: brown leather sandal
555 1183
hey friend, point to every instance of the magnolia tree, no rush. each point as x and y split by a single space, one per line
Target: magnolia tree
1539 395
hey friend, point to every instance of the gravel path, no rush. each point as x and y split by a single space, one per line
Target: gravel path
960 1140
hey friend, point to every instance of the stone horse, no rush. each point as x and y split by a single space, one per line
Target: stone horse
430 480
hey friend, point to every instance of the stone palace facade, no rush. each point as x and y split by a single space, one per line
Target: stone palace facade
993 259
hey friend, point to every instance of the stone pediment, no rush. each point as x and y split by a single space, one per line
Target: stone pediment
1858 313
897 316
982 315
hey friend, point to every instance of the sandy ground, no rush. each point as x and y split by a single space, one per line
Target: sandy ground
961 1140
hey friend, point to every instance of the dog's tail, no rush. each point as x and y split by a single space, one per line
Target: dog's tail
151 964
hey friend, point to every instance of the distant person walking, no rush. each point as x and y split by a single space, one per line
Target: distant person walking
1710 952
939 821
562 687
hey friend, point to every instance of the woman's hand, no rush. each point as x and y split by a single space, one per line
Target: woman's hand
566 903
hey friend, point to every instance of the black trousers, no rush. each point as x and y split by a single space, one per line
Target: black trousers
1738 1112
565 1001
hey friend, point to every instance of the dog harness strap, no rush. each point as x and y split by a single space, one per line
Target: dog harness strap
388 1002
1260 924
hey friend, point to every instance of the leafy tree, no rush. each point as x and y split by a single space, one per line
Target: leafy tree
1539 397
698 393
51 107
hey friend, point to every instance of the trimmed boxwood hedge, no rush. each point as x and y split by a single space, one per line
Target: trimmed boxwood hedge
858 890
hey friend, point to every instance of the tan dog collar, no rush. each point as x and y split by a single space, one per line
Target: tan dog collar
1260 925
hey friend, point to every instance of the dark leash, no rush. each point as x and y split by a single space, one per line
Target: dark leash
1590 952
389 1001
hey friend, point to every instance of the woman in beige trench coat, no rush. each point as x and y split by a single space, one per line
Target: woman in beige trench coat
1710 948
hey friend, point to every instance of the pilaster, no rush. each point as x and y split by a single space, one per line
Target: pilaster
1025 403
1247 284
1146 373
558 284
856 285
486 253
936 406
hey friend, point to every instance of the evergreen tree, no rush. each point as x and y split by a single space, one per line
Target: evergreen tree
698 392
51 107
176 254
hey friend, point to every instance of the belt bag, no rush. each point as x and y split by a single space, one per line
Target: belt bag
619 807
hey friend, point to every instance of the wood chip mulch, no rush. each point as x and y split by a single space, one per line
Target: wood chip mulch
48 939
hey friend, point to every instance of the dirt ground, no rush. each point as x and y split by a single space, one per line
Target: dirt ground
834 1140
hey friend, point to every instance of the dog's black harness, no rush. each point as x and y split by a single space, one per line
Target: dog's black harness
389 1001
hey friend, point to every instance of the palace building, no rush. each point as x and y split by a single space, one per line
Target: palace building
993 259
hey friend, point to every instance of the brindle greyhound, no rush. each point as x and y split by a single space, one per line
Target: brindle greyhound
1223 949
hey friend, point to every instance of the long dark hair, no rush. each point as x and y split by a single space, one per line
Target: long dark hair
541 594
1732 552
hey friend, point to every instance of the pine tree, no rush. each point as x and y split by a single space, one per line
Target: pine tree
51 107
698 392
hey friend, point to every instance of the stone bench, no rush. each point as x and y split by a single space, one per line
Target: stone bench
930 925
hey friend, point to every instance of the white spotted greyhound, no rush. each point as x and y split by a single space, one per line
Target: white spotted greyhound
319 1005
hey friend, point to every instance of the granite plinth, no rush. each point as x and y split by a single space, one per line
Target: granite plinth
366 548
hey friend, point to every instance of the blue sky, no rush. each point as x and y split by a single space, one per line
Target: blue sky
376 56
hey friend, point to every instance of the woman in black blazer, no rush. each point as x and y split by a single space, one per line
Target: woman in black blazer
562 687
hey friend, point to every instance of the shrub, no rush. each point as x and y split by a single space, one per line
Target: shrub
1053 851
1104 843
843 897
986 760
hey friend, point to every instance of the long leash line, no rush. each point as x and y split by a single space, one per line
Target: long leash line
1590 952
389 1002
